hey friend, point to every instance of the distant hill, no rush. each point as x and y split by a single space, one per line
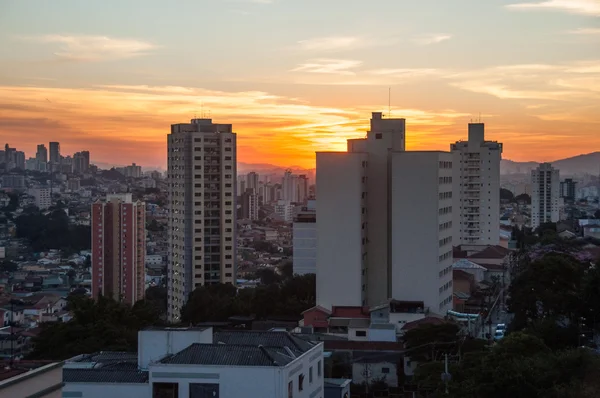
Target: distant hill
581 164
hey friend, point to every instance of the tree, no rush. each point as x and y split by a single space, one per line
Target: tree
287 269
523 198
597 214
216 303
506 195
429 342
8 266
268 276
102 325
156 296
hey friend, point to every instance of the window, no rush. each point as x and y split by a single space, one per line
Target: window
291 389
310 375
378 136
301 382
319 369
361 333
385 370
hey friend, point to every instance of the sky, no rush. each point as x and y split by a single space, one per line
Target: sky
299 76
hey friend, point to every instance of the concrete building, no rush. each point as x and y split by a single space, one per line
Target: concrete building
249 204
252 181
202 208
30 379
289 186
568 188
43 197
371 200
13 181
42 154
353 191
545 182
19 157
476 180
284 210
421 216
197 363
119 248
302 188
304 235
55 156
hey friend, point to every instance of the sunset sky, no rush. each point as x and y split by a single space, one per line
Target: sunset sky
299 76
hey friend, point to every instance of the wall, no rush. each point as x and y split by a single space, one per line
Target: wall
340 235
402 318
103 390
257 381
305 248
153 345
44 378
420 263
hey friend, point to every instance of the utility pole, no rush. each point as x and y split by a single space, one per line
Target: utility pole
446 377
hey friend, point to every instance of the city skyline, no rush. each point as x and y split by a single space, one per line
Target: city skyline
114 86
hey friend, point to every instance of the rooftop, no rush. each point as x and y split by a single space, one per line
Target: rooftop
231 355
104 375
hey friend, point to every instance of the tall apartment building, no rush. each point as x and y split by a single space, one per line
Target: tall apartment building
371 200
302 188
568 187
252 181
54 155
119 248
476 180
289 186
249 204
42 154
202 206
81 162
545 183
19 157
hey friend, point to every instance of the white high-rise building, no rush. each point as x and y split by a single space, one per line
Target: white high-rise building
284 210
202 208
476 181
545 184
384 222
289 187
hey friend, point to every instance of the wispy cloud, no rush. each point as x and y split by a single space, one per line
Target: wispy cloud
95 48
431 38
586 7
586 31
329 66
331 43
563 82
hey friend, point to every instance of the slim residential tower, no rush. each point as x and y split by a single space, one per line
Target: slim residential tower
119 248
202 209
545 187
476 179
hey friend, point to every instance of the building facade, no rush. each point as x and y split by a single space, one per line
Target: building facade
476 180
252 181
202 208
545 182
54 155
43 197
568 188
119 248
304 235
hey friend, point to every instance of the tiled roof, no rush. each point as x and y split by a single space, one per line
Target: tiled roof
496 252
107 357
429 320
463 263
460 274
318 308
359 323
104 376
230 355
266 339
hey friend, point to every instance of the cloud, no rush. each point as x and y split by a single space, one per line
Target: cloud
328 66
586 31
95 48
586 7
332 43
432 38
562 83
